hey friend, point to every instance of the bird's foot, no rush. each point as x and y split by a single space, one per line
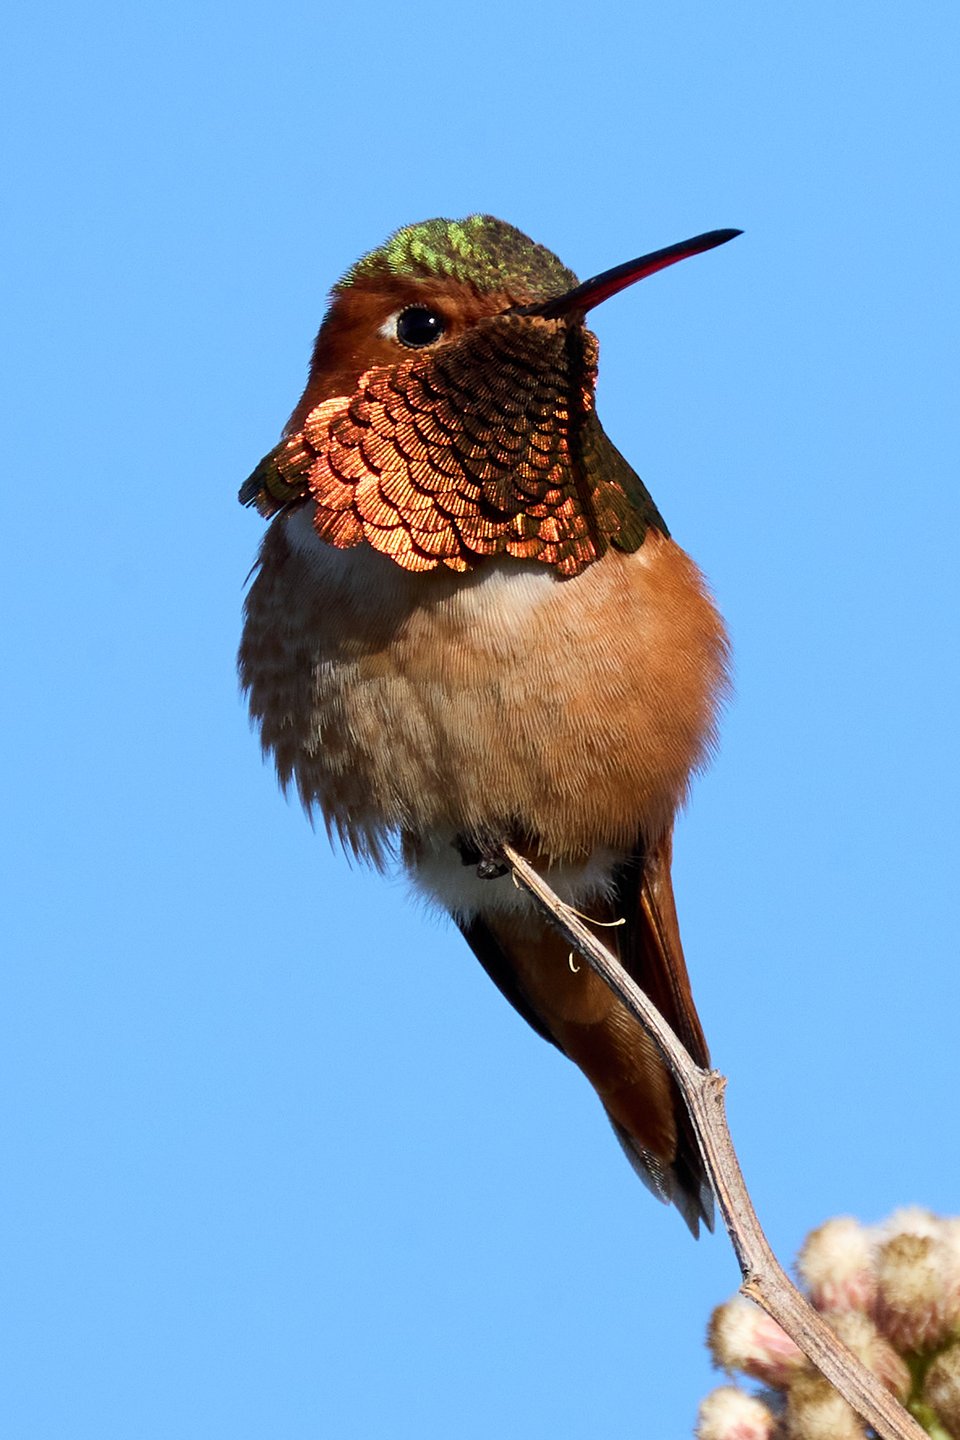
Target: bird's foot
484 855
491 867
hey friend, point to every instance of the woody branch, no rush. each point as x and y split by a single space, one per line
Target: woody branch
764 1279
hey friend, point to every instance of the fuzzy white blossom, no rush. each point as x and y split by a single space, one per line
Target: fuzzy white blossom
891 1292
731 1414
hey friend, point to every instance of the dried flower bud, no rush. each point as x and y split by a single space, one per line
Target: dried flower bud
742 1337
732 1414
816 1412
908 1220
836 1264
941 1389
891 1293
860 1334
950 1240
912 1291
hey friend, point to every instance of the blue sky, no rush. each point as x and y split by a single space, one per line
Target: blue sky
278 1160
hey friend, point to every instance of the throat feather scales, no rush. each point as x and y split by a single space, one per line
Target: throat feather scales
490 446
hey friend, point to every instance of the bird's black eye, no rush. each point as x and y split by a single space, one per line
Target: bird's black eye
418 326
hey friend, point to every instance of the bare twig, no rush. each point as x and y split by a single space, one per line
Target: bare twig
764 1280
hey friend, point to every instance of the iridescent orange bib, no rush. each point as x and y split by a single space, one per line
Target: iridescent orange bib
487 446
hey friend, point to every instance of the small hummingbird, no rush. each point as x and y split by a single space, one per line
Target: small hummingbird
469 625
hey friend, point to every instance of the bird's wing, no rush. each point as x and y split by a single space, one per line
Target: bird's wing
572 1007
651 952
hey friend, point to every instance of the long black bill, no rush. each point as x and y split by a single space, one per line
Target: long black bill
601 287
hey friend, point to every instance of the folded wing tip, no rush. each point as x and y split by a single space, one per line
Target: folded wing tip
692 1197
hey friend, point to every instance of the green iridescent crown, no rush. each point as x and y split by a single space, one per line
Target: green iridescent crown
478 250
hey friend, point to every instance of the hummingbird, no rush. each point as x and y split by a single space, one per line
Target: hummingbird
469 625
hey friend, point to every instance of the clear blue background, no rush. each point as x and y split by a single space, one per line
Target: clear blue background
277 1159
